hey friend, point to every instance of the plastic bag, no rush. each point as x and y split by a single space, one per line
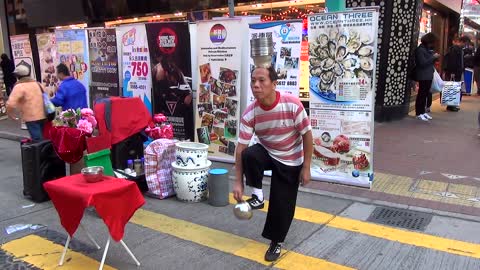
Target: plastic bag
437 83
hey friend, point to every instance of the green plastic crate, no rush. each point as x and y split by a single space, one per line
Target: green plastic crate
100 158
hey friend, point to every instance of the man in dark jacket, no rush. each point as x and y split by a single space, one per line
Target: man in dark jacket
453 64
8 77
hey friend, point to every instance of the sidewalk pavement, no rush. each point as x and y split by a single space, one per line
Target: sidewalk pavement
429 166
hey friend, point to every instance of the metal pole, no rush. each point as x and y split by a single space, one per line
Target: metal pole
231 8
335 5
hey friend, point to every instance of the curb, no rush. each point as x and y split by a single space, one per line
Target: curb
11 136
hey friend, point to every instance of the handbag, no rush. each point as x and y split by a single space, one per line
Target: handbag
437 83
47 105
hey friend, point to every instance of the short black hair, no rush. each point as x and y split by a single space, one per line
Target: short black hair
465 40
428 39
62 68
272 74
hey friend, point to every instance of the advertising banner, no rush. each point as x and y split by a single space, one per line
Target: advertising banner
47 51
136 77
217 112
72 50
342 56
22 52
287 37
170 58
102 46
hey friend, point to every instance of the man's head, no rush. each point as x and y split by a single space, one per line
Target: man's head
4 56
464 41
263 83
429 40
62 72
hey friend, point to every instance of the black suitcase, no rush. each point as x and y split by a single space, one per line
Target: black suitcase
130 148
40 163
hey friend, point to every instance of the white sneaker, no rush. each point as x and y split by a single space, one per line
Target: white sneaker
426 115
422 117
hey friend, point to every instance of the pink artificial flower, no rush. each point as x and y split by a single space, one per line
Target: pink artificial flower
159 118
148 130
86 112
167 131
92 120
85 126
156 133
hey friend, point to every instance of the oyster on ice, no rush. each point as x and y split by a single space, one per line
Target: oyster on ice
365 51
328 64
322 53
366 63
366 38
353 45
327 77
351 63
341 53
333 34
315 62
337 69
348 74
332 49
316 71
342 40
324 87
322 40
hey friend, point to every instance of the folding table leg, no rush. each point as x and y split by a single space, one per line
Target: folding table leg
90 237
104 254
64 251
130 253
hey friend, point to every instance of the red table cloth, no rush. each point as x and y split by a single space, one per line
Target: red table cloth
115 201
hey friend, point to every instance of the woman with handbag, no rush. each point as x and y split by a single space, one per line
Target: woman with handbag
27 98
424 68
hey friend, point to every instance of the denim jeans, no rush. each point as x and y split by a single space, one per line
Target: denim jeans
35 128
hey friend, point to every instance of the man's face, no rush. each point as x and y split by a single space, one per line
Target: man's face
261 84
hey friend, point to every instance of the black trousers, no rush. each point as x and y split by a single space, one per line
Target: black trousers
283 190
423 94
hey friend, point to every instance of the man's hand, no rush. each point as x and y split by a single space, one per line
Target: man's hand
305 176
238 191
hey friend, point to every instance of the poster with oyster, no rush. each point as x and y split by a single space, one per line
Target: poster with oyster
342 56
217 111
287 38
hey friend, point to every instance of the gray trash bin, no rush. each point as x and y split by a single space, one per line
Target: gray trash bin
218 187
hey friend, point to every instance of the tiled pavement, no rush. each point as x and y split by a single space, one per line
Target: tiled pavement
430 165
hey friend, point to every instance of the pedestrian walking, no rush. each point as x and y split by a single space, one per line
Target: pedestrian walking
8 77
71 93
424 69
285 147
27 98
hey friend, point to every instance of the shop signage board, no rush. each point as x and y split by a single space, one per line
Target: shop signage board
136 72
22 52
170 56
342 56
72 50
219 52
102 46
287 37
47 51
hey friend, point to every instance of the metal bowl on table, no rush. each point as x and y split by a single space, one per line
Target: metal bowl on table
93 174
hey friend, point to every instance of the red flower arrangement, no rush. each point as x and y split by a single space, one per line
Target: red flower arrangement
160 129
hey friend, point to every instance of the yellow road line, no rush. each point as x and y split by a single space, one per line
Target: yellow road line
392 234
45 254
226 242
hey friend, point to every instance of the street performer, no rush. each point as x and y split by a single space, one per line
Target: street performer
285 147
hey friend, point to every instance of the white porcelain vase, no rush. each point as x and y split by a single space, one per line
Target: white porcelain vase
191 155
191 185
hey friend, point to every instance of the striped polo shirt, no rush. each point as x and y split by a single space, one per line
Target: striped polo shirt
279 128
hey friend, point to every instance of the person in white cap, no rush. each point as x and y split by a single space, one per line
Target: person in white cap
285 146
27 98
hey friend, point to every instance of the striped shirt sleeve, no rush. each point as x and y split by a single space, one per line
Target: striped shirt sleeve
302 122
247 126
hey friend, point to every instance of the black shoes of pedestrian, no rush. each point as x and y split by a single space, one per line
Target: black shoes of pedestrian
273 252
255 203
